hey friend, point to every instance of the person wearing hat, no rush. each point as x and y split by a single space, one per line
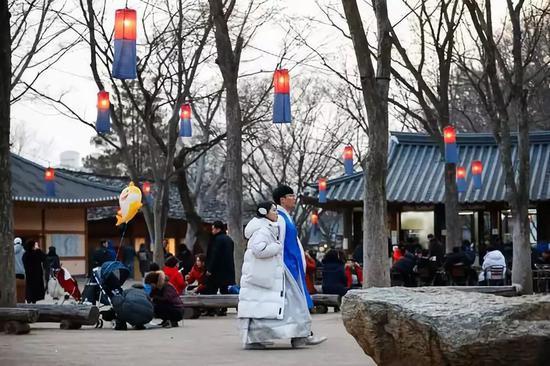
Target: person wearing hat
293 253
19 269
271 305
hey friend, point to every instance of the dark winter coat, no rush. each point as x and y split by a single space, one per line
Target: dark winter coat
51 262
101 255
133 307
128 255
219 260
334 278
405 265
33 260
167 296
144 257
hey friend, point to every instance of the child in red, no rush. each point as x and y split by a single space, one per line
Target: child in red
198 273
174 275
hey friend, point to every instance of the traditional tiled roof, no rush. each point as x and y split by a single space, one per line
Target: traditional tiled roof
416 166
28 186
214 209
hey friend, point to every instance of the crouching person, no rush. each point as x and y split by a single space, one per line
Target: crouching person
166 301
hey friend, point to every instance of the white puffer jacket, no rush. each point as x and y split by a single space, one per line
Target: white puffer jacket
262 291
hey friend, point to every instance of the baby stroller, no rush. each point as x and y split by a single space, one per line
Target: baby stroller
126 306
62 284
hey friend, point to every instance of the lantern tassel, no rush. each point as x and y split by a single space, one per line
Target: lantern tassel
185 128
124 63
50 188
451 153
103 121
348 166
281 108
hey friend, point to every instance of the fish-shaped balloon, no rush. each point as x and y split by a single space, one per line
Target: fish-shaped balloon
130 203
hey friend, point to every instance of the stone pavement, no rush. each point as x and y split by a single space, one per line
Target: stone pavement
205 341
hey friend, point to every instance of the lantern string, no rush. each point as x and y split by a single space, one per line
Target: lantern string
121 239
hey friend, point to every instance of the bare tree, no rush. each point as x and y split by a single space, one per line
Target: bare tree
228 60
502 88
375 88
437 23
7 275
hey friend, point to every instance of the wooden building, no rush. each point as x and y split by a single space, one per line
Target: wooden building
415 191
59 220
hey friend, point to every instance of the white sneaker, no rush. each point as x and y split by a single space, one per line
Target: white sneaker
314 340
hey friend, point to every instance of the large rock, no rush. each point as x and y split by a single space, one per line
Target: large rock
439 326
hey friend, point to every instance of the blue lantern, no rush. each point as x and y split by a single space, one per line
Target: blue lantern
281 103
125 57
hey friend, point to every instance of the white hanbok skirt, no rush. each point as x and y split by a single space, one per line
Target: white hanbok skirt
296 320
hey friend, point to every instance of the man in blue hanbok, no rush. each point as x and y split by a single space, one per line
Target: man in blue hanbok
293 254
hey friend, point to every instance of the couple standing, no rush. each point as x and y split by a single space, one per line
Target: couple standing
273 301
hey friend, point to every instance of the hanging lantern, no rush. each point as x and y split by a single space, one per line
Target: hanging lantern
146 188
103 121
461 178
281 104
314 218
124 62
322 190
49 177
477 169
348 160
185 121
451 151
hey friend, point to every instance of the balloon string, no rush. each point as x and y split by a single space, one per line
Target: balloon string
121 239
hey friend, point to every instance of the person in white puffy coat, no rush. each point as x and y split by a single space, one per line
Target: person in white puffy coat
265 287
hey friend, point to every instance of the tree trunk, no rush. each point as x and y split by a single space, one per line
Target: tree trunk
453 229
228 60
7 274
234 175
195 231
375 87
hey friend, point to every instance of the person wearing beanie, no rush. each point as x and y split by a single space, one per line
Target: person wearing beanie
166 302
174 275
294 258
20 284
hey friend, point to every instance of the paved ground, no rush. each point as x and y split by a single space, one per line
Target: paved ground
204 341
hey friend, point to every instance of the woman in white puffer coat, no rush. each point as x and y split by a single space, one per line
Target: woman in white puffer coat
264 287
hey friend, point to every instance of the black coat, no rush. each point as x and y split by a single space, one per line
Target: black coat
334 278
101 255
219 260
33 260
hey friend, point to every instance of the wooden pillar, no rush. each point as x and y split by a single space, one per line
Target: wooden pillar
543 229
357 224
439 221
348 229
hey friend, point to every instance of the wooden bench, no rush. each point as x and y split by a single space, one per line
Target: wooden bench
323 301
193 304
68 316
16 321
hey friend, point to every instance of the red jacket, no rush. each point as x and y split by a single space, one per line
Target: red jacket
197 275
310 273
175 278
358 272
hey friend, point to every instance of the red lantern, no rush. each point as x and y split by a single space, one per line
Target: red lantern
449 135
460 172
477 167
322 184
49 175
314 218
348 152
185 111
146 188
125 24
281 81
103 102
